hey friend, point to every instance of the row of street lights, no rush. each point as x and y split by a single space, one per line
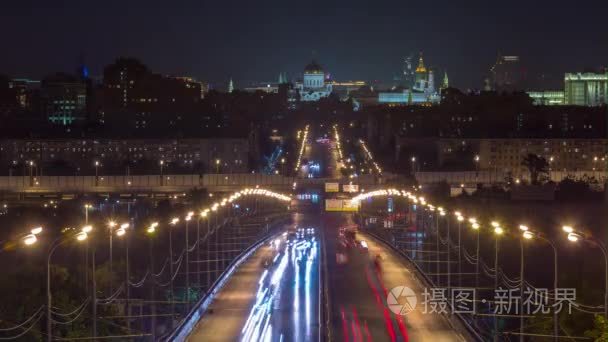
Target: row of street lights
370 157
121 230
302 147
525 234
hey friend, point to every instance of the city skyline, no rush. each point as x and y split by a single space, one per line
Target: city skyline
356 41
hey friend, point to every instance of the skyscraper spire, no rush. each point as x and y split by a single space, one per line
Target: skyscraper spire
421 68
281 78
230 86
446 82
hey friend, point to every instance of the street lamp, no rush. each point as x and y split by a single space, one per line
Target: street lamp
96 173
161 163
35 231
498 231
29 239
188 218
86 213
574 236
31 165
173 223
152 228
529 235
526 234
459 218
80 236
413 159
475 226
217 166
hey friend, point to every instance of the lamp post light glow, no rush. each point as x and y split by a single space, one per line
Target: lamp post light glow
152 228
573 237
87 229
30 239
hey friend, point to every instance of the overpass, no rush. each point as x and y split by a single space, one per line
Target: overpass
155 183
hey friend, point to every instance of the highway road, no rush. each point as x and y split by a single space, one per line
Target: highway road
321 158
275 302
358 290
281 302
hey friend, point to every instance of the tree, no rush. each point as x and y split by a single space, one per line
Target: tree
536 165
599 333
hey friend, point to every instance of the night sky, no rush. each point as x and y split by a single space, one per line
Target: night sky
255 40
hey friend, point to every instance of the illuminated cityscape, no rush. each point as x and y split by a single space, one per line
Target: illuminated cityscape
273 171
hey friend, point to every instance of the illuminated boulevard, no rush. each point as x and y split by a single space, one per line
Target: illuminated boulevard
277 294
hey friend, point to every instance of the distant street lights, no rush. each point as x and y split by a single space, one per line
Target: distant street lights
413 160
31 166
96 173
161 164
86 212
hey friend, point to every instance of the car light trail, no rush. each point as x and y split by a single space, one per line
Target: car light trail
298 261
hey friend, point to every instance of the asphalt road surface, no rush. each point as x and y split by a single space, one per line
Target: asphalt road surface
273 296
280 301
359 289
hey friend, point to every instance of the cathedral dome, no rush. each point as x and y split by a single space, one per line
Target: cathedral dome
313 68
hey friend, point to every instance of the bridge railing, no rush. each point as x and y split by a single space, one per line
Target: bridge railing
154 182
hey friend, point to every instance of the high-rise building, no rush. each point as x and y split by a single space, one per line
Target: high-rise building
26 91
421 74
586 89
408 72
64 98
129 87
507 74
230 86
547 97
119 80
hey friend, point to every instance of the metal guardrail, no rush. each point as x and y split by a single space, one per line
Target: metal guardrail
185 327
469 329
